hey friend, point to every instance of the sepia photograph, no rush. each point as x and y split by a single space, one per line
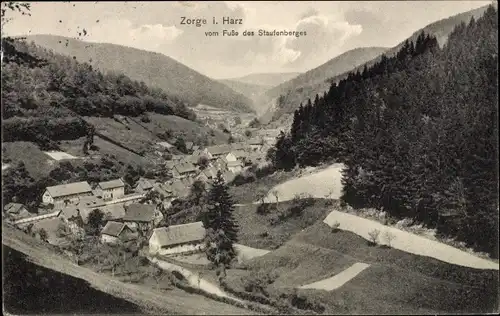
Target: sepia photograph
250 157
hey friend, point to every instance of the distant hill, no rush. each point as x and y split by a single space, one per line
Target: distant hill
294 94
250 90
154 69
266 79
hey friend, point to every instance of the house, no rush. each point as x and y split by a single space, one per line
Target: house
179 189
195 148
16 211
141 216
70 193
143 185
238 146
166 145
113 212
73 218
228 176
177 239
115 232
255 143
240 154
213 152
111 190
182 170
189 146
234 166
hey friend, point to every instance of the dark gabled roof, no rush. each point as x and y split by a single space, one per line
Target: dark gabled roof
144 183
139 213
255 141
114 211
182 168
13 207
117 183
180 234
113 229
69 189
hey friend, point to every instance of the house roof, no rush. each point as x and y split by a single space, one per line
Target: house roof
180 234
69 189
234 163
139 212
255 141
144 183
114 211
240 153
117 183
113 228
13 207
238 146
219 149
169 164
228 176
165 144
178 188
195 147
185 167
189 145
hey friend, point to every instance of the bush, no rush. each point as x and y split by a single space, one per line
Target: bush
374 236
389 237
335 227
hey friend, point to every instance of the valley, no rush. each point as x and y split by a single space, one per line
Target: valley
133 183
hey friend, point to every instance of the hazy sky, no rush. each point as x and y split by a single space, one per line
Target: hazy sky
332 28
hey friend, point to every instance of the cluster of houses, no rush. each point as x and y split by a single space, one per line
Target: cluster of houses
126 217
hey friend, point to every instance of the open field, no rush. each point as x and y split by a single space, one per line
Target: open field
322 184
337 280
37 163
149 300
257 231
396 281
407 241
60 155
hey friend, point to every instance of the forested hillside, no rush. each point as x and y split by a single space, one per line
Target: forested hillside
156 70
293 94
45 94
417 133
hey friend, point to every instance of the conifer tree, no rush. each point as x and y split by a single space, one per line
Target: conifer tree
220 224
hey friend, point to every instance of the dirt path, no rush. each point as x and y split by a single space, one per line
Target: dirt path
338 280
321 184
408 242
193 279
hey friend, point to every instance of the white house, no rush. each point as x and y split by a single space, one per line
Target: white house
115 232
113 189
177 239
70 193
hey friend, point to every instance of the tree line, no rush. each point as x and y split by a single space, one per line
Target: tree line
417 133
40 86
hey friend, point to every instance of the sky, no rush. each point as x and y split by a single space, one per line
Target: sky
332 28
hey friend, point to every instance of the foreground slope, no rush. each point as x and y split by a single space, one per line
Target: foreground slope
154 69
132 298
395 281
294 94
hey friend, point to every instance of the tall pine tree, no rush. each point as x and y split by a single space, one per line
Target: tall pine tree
221 226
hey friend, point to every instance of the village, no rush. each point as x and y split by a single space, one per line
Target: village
126 216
